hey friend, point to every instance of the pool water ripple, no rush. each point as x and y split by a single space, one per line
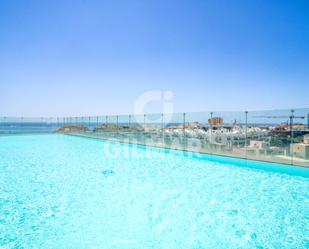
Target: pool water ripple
58 191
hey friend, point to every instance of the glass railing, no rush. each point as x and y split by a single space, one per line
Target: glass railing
25 125
280 136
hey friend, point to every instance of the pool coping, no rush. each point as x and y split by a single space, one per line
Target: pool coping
191 151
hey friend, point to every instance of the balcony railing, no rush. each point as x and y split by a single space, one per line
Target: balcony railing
279 136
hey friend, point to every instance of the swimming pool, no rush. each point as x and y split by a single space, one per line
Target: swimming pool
59 191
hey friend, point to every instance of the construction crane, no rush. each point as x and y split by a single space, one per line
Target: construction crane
291 117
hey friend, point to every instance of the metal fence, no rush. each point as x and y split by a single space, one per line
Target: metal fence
280 136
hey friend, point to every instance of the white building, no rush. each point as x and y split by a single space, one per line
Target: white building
301 149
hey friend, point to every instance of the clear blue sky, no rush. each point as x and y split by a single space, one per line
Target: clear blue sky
96 57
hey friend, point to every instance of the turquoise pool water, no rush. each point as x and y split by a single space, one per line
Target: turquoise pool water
60 191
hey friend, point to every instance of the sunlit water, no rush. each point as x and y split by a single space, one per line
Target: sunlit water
59 191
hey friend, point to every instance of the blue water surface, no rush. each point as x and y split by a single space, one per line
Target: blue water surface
59 191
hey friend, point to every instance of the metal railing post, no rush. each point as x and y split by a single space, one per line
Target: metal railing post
162 125
184 129
210 122
246 133
144 122
291 136
129 121
117 124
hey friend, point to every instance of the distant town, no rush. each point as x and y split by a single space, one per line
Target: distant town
280 142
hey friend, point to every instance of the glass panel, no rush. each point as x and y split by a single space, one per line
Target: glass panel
135 132
123 128
270 136
19 125
153 130
280 136
300 137
197 132
173 131
228 132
